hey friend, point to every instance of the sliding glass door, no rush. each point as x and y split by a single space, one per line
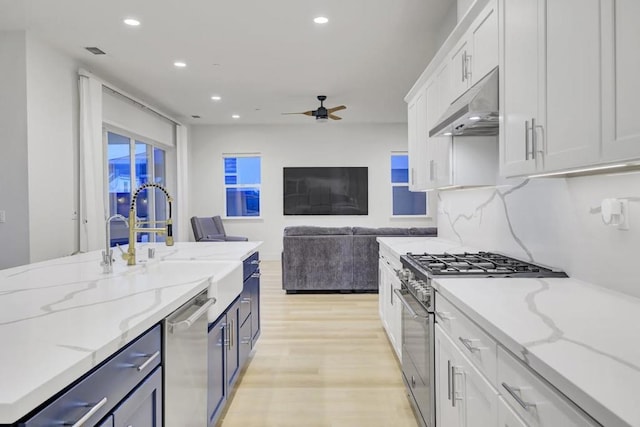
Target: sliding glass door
131 163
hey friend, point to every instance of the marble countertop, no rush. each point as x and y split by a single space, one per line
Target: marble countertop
581 337
62 317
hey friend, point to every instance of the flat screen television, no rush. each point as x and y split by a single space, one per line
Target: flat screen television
326 191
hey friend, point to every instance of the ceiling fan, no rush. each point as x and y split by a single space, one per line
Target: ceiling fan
322 114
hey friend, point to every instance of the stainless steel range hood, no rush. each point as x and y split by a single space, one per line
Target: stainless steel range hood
474 113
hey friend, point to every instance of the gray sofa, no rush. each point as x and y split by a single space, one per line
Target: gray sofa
336 259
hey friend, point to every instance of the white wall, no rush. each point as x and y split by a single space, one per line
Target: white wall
52 118
330 144
14 234
553 221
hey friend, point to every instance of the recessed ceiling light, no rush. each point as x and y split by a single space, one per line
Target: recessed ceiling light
235 116
180 64
320 20
447 134
474 118
216 98
131 21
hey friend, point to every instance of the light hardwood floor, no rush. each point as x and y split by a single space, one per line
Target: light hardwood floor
323 360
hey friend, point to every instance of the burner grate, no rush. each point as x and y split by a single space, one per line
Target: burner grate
485 264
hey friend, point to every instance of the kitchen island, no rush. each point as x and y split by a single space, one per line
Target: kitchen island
61 318
577 337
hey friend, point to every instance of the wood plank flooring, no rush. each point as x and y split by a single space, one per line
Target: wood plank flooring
322 360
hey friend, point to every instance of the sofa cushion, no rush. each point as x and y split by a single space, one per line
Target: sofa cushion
305 230
383 231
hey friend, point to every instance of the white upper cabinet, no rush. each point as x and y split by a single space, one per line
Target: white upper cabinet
568 93
418 133
620 83
476 53
521 69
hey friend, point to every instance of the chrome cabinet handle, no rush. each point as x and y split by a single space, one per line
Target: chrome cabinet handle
444 315
151 358
534 139
431 170
453 386
526 140
468 344
413 181
232 333
185 324
245 301
89 414
404 302
467 66
448 379
255 275
255 262
462 63
514 392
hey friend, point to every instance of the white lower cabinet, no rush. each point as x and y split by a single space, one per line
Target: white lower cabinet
470 400
507 417
533 400
389 306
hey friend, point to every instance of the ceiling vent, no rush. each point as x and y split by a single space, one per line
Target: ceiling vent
95 50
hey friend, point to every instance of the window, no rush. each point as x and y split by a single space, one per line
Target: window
242 185
405 202
132 163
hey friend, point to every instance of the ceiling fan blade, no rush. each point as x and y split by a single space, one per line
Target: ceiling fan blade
334 117
306 113
334 109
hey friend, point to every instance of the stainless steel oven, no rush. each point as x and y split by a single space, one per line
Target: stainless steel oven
418 350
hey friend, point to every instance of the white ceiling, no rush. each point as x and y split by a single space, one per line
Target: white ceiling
262 57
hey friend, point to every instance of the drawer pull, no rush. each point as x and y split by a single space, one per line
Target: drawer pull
448 379
245 301
468 343
89 414
255 275
444 315
151 358
515 393
255 262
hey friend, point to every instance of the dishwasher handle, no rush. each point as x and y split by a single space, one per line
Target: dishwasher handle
411 311
185 324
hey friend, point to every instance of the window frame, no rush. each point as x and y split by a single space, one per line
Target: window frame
404 184
225 186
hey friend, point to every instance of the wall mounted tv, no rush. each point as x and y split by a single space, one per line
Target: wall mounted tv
326 191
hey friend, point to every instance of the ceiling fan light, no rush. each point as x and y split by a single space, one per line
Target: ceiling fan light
320 119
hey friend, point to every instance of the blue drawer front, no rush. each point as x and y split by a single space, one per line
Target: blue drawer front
144 406
251 264
111 381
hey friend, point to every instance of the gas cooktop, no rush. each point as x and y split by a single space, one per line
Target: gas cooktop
482 264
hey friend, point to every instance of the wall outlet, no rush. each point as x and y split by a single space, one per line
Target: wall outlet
3 216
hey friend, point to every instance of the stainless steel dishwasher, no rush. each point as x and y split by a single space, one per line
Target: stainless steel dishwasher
185 360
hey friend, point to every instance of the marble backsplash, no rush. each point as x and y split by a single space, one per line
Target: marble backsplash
552 221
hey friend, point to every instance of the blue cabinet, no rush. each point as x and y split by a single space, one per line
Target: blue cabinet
93 397
143 407
217 381
231 338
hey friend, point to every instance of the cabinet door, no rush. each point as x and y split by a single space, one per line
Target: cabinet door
506 416
484 39
620 84
217 384
572 134
233 349
244 341
521 66
460 73
144 406
382 291
449 408
418 173
254 285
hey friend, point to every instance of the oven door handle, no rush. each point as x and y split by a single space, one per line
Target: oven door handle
404 302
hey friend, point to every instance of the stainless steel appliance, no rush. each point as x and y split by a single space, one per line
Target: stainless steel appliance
418 314
185 360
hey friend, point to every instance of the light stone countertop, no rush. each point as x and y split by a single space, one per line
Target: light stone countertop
582 338
62 317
